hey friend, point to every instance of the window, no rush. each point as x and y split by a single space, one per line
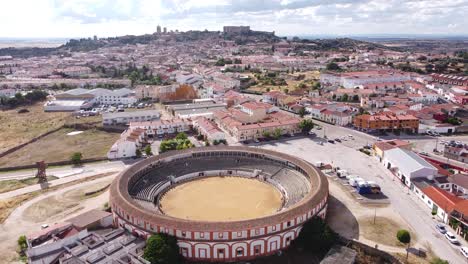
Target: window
239 234
202 235
220 235
273 228
184 234
289 223
239 252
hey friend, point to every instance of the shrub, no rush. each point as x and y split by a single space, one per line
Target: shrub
162 249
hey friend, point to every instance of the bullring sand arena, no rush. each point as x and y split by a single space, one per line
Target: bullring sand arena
222 199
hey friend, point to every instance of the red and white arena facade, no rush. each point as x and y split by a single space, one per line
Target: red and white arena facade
135 194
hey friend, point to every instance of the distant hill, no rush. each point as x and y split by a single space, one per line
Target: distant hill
89 44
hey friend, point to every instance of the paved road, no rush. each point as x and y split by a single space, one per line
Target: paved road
347 157
66 171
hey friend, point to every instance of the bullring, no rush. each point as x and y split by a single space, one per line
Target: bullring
137 198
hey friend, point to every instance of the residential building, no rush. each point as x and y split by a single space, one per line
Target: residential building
381 146
208 129
386 121
456 152
253 120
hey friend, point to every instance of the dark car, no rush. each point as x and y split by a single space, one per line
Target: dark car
338 140
331 141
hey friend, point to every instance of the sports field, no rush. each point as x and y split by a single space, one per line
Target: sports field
221 199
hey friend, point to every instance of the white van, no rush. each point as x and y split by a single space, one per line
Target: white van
342 173
354 181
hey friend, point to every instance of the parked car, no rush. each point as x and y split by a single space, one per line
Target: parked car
331 141
424 153
464 251
452 238
319 128
441 228
44 226
338 140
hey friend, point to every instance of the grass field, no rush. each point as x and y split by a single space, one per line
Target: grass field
221 199
59 146
11 185
19 128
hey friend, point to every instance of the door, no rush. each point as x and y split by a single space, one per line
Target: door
202 253
273 245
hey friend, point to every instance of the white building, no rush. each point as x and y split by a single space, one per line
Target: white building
125 147
407 165
124 118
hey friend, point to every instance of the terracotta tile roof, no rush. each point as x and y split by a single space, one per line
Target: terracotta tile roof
442 198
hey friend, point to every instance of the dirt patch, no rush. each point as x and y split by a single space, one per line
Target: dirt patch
59 204
11 185
59 146
222 199
8 205
383 231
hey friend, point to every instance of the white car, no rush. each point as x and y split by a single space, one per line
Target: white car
452 238
464 251
44 226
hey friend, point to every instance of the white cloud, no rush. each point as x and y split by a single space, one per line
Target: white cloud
75 18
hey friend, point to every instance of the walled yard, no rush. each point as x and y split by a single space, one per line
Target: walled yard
292 83
59 146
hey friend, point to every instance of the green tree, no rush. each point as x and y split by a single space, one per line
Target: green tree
76 158
332 66
138 153
404 237
316 236
148 151
277 133
345 97
306 125
162 249
22 243
286 90
181 136
266 134
302 112
355 98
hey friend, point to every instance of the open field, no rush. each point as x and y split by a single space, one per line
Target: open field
59 146
11 185
20 128
221 199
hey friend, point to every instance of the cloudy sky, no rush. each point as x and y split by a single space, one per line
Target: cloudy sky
83 18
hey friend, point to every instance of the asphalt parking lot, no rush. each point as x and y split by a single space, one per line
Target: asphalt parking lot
346 156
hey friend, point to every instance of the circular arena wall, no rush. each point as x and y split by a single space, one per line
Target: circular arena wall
135 195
